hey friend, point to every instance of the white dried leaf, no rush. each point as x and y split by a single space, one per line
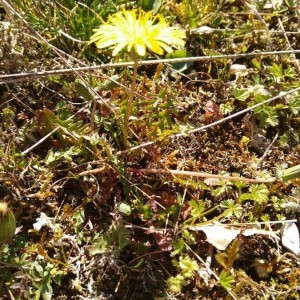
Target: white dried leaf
204 274
43 220
220 235
290 237
252 231
212 181
204 30
235 68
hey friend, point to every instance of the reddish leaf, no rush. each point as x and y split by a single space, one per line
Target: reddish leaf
212 112
163 242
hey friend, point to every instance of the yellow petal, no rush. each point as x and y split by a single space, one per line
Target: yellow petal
118 48
140 49
136 31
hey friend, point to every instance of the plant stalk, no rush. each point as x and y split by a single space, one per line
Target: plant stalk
129 105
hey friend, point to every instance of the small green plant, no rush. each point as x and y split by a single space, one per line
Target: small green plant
187 268
227 258
35 278
258 193
136 31
226 280
114 239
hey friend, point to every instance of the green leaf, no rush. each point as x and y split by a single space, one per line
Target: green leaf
289 72
100 245
271 120
291 173
258 193
47 291
292 3
233 208
240 94
294 104
237 210
226 280
64 155
267 115
229 203
188 266
148 5
180 66
192 183
179 246
226 108
83 90
78 217
256 63
138 264
276 70
118 235
175 283
197 208
125 209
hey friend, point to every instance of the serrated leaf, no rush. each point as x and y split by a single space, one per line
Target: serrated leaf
226 280
272 120
295 105
188 266
240 94
197 208
175 283
257 192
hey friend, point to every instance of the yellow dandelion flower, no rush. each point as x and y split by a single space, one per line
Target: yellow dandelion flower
136 30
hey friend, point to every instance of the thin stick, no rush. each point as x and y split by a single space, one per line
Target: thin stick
92 172
26 76
268 149
200 174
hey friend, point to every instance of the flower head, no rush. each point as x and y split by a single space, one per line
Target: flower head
136 30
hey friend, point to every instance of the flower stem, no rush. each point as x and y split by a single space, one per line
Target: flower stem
129 105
